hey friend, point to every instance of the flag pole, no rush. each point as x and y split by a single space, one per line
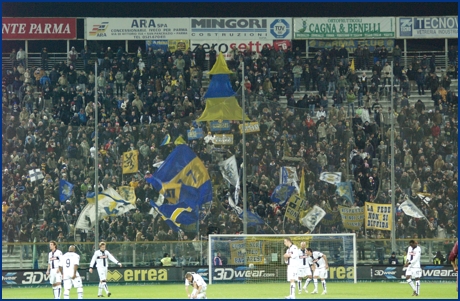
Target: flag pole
245 201
392 174
96 167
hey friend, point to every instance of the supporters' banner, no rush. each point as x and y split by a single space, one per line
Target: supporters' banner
288 175
157 44
178 45
281 44
39 28
410 209
345 190
240 28
226 139
184 181
136 28
229 170
331 177
253 219
35 175
424 197
282 193
295 204
65 190
128 194
130 162
378 216
220 126
427 27
225 46
251 127
246 252
344 27
331 218
352 217
313 217
195 134
352 44
110 203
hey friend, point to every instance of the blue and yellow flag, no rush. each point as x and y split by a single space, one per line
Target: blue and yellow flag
177 214
166 140
184 182
130 162
282 193
253 219
345 190
65 190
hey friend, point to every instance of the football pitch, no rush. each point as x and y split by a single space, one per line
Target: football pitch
335 290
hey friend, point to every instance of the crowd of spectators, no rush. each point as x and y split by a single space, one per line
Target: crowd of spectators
336 119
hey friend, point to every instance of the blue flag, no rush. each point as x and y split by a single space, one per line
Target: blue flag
282 193
184 182
65 190
345 190
177 214
253 219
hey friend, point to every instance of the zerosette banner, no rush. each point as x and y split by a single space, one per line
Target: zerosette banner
427 27
137 28
240 28
226 46
348 27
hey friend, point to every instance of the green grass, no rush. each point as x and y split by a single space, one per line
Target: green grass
336 290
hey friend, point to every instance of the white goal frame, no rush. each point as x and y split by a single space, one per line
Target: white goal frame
296 237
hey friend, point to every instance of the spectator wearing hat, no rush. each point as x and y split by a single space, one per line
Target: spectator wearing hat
393 260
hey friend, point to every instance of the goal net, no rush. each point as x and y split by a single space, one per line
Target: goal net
259 257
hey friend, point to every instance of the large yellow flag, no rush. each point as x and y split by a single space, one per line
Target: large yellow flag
130 161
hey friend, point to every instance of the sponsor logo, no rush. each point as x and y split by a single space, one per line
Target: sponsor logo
145 275
35 278
10 278
203 273
242 25
240 273
280 28
99 29
114 275
437 272
405 27
389 273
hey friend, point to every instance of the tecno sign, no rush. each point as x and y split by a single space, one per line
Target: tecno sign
39 28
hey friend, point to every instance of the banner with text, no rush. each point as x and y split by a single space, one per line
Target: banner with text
137 28
378 216
351 44
240 28
251 127
352 218
220 126
226 139
295 204
353 27
195 134
225 46
427 27
39 28
246 251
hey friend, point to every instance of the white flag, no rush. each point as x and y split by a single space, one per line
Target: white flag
424 198
288 175
229 170
35 175
235 208
159 202
110 203
331 177
313 217
410 209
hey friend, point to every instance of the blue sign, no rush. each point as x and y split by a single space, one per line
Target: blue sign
195 134
405 27
220 126
157 44
280 28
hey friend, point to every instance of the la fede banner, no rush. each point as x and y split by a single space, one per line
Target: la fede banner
137 28
39 28
348 27
352 217
427 27
378 216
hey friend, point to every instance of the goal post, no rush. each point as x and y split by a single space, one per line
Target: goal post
259 257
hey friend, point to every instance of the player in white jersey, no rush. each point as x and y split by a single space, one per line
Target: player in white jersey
320 269
199 286
100 262
54 257
304 269
291 258
414 269
69 269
